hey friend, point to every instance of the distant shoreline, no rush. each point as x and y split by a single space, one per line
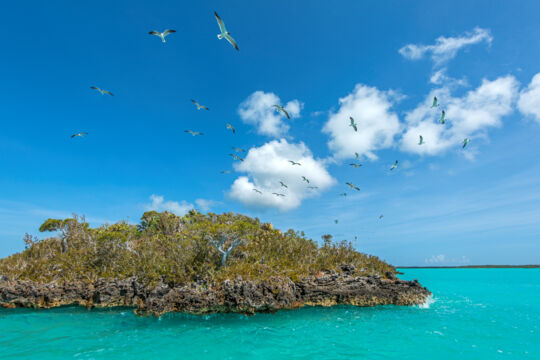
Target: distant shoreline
473 267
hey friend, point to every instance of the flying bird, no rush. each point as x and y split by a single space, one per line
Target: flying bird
352 186
199 106
193 133
442 120
465 142
283 185
282 109
353 124
381 216
278 194
295 163
238 149
224 33
226 172
305 179
394 166
162 34
421 141
357 155
336 221
343 194
103 92
435 102
258 191
81 134
229 126
312 187
236 157
355 165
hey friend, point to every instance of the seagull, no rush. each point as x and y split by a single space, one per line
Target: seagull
193 133
278 194
394 166
435 102
295 163
353 124
312 187
229 126
421 141
258 191
224 33
236 157
343 194
443 116
465 142
238 149
81 134
357 155
355 165
162 34
283 185
226 172
103 92
336 221
199 106
282 109
305 179
352 186
381 216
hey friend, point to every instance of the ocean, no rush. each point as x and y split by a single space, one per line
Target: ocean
474 314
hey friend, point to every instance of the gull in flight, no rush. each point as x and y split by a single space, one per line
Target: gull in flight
355 165
336 221
352 186
421 141
435 102
466 141
162 34
229 126
199 106
238 149
442 120
312 187
282 109
258 191
394 166
236 157
226 172
283 185
278 194
224 33
103 92
353 124
295 163
193 133
305 179
343 194
381 216
81 134
357 155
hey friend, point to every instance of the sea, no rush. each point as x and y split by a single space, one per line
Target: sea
473 314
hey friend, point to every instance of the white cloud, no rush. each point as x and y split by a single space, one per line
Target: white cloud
159 204
467 116
205 205
440 77
436 259
441 259
529 99
371 111
257 110
446 48
269 164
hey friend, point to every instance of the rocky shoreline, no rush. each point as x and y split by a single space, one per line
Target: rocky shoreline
230 296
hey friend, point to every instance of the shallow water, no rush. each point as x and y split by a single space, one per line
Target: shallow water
475 314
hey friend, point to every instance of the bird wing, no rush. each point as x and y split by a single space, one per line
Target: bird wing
95 88
193 101
285 112
168 31
153 32
354 127
108 92
231 40
220 22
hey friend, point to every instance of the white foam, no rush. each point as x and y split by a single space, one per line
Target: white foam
429 300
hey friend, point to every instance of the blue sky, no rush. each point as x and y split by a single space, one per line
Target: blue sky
380 62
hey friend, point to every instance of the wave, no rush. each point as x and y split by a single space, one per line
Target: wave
426 304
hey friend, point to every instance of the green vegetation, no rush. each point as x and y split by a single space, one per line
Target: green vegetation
180 249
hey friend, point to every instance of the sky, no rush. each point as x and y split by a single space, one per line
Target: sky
380 63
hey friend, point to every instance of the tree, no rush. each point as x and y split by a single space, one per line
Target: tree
220 246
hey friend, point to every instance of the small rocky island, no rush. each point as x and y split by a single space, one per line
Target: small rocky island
199 264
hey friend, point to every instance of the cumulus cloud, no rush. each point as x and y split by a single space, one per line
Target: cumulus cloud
377 123
436 259
205 204
446 48
467 116
529 99
257 110
269 164
159 204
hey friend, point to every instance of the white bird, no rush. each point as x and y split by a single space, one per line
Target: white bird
394 166
238 149
162 34
305 179
421 141
277 194
199 106
352 186
103 92
353 124
295 163
81 134
465 142
282 109
226 172
283 185
257 191
435 102
312 187
229 126
193 133
236 157
224 33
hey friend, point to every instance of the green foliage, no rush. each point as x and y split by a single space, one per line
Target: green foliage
177 249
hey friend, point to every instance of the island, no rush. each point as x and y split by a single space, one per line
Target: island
197 263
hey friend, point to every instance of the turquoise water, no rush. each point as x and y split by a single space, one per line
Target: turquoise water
476 314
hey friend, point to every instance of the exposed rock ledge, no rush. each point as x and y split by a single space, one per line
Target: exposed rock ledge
236 296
